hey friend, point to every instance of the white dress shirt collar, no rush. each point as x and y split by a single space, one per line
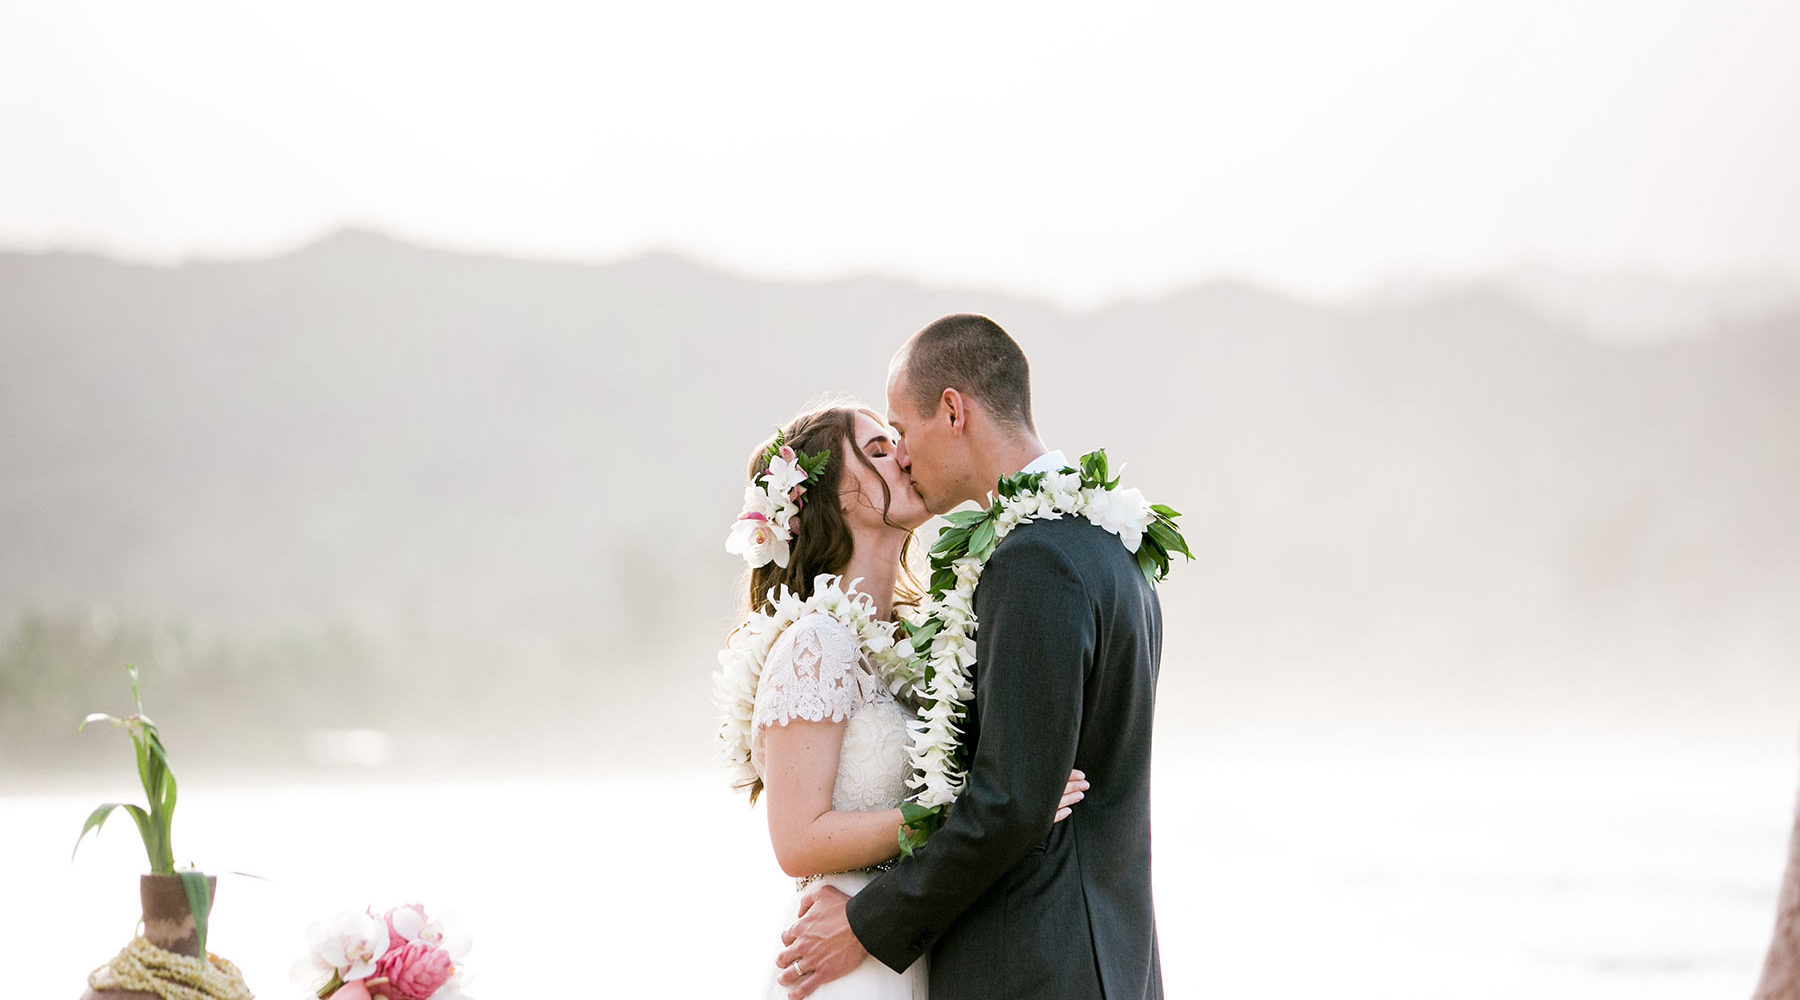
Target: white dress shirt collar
1049 461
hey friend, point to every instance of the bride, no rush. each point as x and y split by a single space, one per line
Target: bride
811 723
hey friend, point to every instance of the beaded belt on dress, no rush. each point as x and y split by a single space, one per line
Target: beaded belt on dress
803 882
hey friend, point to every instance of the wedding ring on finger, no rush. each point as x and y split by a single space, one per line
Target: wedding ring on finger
798 972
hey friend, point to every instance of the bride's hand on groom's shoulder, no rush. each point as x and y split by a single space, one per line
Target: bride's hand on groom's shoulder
820 944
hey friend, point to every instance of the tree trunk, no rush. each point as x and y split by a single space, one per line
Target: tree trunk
1781 970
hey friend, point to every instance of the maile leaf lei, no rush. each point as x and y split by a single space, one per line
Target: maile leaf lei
942 630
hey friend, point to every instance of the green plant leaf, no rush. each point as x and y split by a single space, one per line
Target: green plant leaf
95 821
1168 512
156 848
162 808
154 772
199 904
157 787
813 464
141 748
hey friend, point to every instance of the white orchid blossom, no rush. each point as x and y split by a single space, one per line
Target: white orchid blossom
348 944
1123 512
759 540
783 475
407 921
760 534
412 924
310 972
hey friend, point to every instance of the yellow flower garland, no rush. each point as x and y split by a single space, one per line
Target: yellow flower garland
146 968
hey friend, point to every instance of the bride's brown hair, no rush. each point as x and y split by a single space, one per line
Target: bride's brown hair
823 543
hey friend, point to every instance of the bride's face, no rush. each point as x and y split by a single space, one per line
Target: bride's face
861 494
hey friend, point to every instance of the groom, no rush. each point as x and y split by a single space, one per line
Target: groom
1007 904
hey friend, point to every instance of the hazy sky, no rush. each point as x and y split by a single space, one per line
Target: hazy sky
1083 151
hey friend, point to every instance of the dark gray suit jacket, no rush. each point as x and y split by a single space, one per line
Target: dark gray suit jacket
1008 904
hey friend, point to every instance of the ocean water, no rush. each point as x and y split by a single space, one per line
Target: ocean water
1382 877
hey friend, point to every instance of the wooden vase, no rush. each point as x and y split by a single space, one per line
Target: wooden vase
168 924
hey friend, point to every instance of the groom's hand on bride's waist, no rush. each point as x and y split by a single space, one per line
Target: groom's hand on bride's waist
820 945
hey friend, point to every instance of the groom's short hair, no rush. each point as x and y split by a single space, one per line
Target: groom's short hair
971 354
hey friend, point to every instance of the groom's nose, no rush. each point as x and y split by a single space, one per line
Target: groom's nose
901 456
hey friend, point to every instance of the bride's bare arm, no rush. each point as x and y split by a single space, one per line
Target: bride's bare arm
800 768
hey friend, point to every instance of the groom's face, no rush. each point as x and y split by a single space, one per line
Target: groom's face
927 446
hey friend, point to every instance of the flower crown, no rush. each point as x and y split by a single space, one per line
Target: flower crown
772 505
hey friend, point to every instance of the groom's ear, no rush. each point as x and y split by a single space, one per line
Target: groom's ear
954 402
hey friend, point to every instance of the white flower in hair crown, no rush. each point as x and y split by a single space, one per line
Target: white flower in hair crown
741 661
772 505
941 631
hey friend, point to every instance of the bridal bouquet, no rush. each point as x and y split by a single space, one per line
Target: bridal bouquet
402 954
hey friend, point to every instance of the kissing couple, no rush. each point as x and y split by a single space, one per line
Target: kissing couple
964 820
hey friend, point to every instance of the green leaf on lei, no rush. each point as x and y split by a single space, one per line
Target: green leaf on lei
964 518
1148 563
921 635
951 540
942 579
1167 537
982 541
917 825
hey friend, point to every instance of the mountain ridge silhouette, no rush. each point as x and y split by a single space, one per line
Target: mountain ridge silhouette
424 442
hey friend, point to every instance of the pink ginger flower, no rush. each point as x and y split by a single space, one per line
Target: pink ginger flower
413 971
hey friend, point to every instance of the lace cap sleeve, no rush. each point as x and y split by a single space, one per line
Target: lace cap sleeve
813 673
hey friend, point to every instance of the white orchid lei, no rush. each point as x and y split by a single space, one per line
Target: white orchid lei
942 629
772 502
741 661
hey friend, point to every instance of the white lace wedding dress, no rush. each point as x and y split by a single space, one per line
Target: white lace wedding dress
816 671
